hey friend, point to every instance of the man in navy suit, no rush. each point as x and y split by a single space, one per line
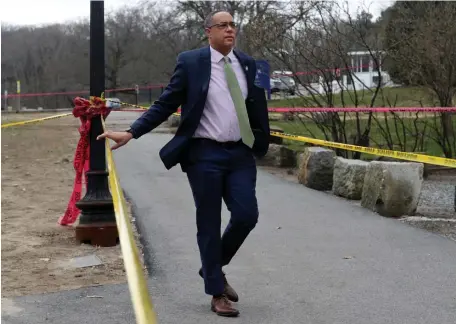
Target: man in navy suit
224 124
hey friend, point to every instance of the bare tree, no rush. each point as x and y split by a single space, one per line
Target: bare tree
421 40
39 58
320 42
123 29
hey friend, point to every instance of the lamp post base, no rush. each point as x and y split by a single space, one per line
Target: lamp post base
97 222
98 234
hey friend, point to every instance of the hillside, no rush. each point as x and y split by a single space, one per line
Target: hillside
387 97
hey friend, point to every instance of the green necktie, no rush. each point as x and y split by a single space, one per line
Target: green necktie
239 104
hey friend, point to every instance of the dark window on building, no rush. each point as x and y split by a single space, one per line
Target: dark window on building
365 63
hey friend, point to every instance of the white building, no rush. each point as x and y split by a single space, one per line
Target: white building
364 75
365 72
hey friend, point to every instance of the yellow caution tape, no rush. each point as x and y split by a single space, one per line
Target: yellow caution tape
374 151
137 284
24 122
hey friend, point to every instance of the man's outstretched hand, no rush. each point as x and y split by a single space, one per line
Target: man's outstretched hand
121 138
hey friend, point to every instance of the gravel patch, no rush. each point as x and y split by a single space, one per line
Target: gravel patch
435 212
444 227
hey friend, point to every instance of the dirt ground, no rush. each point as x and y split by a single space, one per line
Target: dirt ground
37 181
13 117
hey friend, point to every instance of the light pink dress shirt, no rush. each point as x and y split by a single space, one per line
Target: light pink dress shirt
219 120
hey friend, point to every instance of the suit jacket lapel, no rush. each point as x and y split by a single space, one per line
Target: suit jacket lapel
245 67
205 70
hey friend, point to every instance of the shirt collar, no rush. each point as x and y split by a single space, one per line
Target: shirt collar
216 56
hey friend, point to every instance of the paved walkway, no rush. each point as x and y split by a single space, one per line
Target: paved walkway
312 258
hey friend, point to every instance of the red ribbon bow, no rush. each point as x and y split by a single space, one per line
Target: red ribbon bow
85 110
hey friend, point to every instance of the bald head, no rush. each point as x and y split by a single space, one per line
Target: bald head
221 31
208 21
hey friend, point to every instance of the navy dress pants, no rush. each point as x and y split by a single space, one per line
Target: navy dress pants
215 171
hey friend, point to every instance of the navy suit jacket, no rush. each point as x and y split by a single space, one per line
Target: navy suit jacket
188 88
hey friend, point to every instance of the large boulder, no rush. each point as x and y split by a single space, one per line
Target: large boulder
426 170
275 139
348 178
275 117
278 156
173 121
316 168
392 189
300 157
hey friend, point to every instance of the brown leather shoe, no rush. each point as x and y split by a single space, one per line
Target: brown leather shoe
228 291
222 307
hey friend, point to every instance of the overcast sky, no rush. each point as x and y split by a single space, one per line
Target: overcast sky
33 12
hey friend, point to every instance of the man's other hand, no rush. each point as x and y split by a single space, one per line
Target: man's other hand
121 138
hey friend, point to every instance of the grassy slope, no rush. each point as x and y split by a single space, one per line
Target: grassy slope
399 97
394 97
397 131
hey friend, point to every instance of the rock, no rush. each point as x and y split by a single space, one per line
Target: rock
300 156
392 189
427 167
278 156
173 121
288 116
276 139
348 178
316 168
85 261
275 117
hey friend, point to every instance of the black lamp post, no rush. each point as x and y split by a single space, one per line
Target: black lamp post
97 223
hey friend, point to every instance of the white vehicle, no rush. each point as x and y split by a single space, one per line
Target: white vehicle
113 103
283 81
